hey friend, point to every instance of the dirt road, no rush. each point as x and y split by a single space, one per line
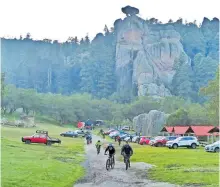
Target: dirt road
98 176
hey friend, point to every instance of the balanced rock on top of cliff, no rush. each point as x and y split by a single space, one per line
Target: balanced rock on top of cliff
129 11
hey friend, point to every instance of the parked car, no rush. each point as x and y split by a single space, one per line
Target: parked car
113 134
69 134
109 131
80 133
123 136
153 140
40 136
135 138
129 137
159 142
144 141
213 147
184 141
126 128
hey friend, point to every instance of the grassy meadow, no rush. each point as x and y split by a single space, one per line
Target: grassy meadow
36 165
180 166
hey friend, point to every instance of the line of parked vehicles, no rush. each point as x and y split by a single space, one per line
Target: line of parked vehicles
172 142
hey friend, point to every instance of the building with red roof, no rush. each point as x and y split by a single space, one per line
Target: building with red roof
182 130
200 131
167 129
214 130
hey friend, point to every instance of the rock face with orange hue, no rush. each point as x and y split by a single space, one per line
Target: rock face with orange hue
145 58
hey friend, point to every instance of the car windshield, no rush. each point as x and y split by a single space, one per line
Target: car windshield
170 138
179 138
218 142
159 138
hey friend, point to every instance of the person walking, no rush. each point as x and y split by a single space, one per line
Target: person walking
119 140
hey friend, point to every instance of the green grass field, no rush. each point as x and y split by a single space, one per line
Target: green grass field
181 166
37 164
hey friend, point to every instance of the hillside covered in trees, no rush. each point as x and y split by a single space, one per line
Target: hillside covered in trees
76 107
135 58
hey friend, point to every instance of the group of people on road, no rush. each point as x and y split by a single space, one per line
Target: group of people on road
126 150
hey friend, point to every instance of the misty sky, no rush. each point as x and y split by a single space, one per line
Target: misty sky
59 19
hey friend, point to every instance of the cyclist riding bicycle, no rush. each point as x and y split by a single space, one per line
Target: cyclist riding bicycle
111 151
98 144
89 138
127 151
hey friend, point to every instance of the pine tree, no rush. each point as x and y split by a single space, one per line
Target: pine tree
106 30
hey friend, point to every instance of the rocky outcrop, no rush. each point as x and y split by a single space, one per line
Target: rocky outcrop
146 58
151 123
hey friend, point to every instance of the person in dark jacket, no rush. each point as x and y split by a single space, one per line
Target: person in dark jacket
111 151
89 138
127 151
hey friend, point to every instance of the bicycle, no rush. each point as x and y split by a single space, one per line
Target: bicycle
110 162
127 161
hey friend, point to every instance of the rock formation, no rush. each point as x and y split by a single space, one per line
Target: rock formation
151 123
146 58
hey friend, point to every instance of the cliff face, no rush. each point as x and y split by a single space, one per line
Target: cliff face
145 58
136 58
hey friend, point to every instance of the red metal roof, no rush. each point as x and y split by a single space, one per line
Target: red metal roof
169 129
201 130
181 129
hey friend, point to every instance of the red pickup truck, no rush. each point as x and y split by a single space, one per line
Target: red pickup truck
40 137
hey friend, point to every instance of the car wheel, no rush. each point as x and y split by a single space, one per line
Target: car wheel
169 147
175 146
193 145
144 143
27 141
216 150
49 143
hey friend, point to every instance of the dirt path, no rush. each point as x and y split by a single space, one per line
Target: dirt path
98 176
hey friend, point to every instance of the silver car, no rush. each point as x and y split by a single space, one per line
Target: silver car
213 147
